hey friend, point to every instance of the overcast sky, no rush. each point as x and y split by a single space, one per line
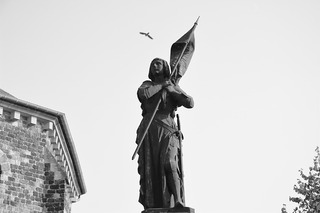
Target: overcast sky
254 77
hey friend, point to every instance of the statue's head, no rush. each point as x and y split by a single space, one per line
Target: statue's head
159 66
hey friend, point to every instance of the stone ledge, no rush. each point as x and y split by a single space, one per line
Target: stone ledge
169 210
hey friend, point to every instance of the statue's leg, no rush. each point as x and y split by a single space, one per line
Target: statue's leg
172 175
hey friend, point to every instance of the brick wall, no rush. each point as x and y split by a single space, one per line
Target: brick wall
56 197
30 179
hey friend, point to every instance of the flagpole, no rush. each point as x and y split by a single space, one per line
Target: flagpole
158 104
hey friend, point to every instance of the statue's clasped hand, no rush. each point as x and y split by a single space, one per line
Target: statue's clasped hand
169 86
166 83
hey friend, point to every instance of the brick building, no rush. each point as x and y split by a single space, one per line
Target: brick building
39 167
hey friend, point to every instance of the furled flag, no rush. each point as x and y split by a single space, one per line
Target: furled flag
181 54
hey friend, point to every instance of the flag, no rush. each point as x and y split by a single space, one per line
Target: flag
181 54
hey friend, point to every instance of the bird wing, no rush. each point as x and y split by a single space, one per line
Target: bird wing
146 34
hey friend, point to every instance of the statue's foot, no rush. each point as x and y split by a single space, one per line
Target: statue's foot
179 204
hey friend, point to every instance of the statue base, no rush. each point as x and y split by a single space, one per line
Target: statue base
169 210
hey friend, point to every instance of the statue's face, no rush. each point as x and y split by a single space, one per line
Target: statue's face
157 68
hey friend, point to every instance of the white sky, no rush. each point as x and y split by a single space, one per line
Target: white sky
254 78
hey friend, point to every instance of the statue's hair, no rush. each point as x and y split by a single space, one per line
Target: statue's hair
166 69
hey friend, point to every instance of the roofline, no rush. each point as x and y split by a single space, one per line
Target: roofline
66 131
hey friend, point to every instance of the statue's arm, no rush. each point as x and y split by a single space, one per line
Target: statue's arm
147 90
180 96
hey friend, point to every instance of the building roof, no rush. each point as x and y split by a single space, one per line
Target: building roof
6 97
4 93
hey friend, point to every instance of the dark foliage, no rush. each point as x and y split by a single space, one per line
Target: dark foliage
308 189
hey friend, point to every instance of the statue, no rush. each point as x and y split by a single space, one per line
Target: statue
158 136
159 166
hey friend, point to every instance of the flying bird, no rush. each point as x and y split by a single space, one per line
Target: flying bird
146 34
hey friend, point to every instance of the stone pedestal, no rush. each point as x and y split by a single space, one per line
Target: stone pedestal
169 210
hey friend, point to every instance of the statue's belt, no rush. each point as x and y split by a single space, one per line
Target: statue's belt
166 126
